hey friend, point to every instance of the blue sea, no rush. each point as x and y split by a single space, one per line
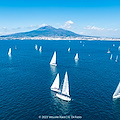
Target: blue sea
26 78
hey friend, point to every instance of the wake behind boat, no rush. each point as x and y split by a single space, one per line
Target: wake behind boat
53 60
64 95
55 85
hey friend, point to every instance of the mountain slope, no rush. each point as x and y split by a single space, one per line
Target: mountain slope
46 31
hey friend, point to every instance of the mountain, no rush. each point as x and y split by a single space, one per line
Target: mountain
46 31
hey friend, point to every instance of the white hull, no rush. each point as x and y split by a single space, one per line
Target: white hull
115 97
76 58
63 97
55 89
108 52
53 64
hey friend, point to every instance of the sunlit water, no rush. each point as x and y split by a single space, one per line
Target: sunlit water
26 77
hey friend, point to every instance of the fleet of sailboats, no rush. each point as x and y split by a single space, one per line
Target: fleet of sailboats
53 60
64 92
64 95
117 92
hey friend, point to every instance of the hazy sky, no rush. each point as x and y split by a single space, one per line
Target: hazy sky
88 17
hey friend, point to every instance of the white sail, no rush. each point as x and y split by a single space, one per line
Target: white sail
117 92
65 89
108 50
119 48
15 47
113 45
53 60
68 49
76 56
55 85
116 58
40 49
111 57
9 52
36 47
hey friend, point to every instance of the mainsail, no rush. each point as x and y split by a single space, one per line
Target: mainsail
55 84
40 49
116 58
36 47
117 92
65 89
111 57
53 61
76 56
68 49
9 52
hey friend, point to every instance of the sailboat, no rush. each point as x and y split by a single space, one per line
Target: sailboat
68 49
64 95
55 85
36 47
15 47
53 60
119 48
108 50
9 52
76 56
40 49
116 58
117 92
111 57
113 45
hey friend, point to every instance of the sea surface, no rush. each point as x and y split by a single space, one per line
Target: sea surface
26 78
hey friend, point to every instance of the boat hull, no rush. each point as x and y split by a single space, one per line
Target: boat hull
116 97
63 97
53 64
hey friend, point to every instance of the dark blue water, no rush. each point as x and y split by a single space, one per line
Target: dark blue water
26 77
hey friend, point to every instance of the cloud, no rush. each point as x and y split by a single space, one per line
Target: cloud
68 24
4 28
42 25
35 26
93 28
99 29
112 29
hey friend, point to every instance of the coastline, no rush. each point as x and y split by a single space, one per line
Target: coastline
60 38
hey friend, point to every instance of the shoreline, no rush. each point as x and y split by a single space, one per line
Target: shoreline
62 39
